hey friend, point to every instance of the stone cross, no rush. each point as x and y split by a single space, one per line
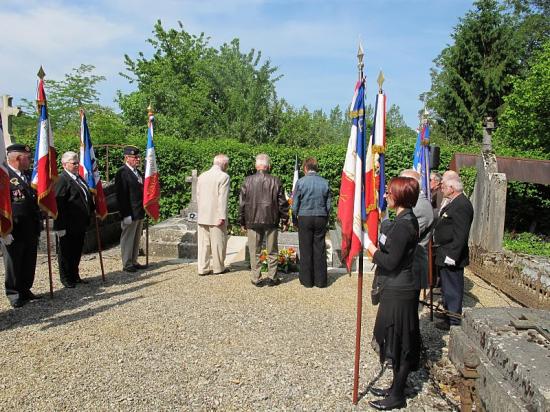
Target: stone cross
189 213
7 111
193 180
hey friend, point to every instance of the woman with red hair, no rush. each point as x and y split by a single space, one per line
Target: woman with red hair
396 330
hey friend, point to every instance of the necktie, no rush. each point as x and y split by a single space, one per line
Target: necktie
82 186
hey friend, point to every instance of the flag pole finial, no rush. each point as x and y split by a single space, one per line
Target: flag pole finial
150 111
380 80
40 95
41 73
360 64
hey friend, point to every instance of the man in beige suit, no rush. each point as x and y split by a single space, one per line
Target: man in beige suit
212 195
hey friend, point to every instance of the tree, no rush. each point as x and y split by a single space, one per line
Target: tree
199 91
473 75
525 121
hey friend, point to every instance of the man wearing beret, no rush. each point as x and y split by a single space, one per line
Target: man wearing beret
129 194
74 209
19 248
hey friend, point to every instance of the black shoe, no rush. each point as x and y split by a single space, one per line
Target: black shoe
206 273
17 303
139 267
388 404
67 284
441 315
83 281
226 270
273 282
31 296
443 326
380 392
130 269
258 284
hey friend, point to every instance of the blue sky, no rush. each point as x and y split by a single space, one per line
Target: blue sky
313 42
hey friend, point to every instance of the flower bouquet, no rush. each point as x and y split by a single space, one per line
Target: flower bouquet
286 260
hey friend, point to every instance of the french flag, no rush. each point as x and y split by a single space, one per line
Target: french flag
421 159
151 185
5 196
351 202
44 173
88 168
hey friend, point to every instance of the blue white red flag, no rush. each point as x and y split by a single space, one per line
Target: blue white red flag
421 159
151 185
351 203
44 173
5 195
89 170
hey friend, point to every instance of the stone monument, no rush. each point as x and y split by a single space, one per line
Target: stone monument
6 112
176 237
488 198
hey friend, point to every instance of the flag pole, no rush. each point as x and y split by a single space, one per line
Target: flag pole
48 245
147 240
99 250
360 65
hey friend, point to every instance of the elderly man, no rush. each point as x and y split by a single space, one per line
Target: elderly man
74 209
435 188
263 206
425 216
129 195
20 246
451 240
212 196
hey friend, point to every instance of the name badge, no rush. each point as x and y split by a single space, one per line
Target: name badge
383 239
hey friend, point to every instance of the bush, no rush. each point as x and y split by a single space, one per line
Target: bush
528 243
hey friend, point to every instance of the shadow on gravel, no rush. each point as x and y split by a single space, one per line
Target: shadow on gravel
84 296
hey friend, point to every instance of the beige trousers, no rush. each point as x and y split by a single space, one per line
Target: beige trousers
212 245
129 243
255 241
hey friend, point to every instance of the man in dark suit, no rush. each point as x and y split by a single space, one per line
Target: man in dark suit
20 246
74 208
129 193
451 240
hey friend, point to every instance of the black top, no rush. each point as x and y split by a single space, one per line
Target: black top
452 230
73 207
397 243
24 206
129 193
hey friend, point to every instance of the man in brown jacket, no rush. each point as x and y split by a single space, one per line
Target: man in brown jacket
263 206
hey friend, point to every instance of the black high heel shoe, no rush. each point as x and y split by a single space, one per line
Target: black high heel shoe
388 404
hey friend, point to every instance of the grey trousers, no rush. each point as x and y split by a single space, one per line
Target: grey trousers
129 243
212 245
255 242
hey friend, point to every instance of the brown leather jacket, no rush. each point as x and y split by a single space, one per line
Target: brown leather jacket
262 201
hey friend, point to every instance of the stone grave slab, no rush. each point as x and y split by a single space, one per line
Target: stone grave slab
172 238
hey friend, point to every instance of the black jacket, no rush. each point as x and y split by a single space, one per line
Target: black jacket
452 230
129 193
24 207
262 201
397 245
73 208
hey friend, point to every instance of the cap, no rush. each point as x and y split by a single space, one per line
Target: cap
18 147
131 151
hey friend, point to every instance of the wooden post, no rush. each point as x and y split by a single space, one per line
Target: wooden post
99 250
48 245
146 240
358 329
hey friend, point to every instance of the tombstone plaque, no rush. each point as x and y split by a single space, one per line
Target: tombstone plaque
190 213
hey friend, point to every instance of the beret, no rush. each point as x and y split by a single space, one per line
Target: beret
18 147
131 151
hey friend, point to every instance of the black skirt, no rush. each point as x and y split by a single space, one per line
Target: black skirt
397 330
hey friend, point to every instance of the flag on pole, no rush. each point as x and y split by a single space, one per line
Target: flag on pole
5 196
89 170
351 203
375 182
151 186
296 175
44 172
421 158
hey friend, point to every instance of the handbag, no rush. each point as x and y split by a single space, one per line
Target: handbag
375 291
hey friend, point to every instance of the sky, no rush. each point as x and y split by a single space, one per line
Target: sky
312 42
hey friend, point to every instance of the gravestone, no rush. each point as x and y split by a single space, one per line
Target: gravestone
512 346
176 237
6 112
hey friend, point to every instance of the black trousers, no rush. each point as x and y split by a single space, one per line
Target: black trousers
452 288
313 257
69 254
19 264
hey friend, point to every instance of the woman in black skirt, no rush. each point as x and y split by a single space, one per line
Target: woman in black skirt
396 330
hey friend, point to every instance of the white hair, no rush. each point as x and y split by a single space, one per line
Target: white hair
435 176
68 156
220 160
263 160
454 182
412 174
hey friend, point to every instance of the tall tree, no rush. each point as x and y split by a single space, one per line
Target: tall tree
472 76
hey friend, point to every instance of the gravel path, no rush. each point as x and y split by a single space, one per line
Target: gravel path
167 339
